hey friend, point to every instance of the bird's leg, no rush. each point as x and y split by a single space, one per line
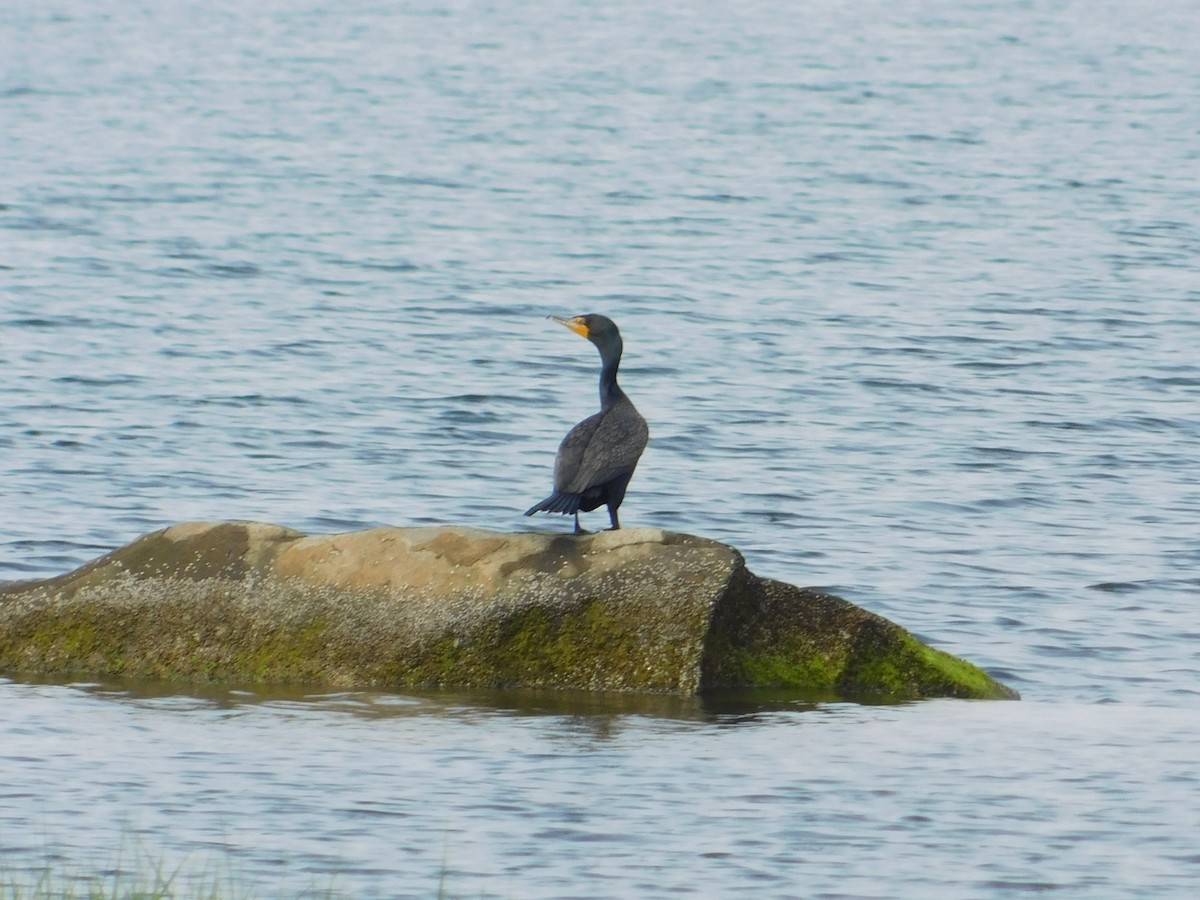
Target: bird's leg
612 514
579 530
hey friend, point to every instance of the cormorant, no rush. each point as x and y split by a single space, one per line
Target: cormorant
597 457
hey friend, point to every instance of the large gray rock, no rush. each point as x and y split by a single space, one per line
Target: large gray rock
635 609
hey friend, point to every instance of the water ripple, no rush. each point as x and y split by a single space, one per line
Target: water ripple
909 302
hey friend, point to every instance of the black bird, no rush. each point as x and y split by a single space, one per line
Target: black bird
597 457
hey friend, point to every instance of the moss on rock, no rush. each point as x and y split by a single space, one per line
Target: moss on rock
635 610
770 634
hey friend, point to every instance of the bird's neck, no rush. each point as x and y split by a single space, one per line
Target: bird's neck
610 391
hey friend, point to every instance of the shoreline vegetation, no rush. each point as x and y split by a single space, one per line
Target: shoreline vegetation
149 880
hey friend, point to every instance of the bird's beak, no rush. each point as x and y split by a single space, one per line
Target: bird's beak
576 324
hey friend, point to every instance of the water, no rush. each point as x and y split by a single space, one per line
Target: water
515 797
911 301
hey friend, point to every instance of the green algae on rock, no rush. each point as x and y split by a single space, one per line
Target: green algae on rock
631 610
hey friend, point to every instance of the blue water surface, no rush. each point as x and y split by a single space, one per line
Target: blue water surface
911 300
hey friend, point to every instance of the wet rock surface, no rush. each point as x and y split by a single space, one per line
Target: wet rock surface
636 609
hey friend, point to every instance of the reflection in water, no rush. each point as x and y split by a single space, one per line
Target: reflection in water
591 706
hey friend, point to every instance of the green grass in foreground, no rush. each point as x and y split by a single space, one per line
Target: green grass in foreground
147 883
50 884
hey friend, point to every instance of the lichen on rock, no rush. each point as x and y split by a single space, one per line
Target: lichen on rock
631 610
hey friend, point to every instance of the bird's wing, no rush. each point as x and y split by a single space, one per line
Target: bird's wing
600 448
571 451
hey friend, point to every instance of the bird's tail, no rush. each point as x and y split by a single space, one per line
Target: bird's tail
567 504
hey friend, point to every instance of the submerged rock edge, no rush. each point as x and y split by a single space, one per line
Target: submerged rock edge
634 610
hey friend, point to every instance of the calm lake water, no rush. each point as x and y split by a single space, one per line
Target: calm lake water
911 301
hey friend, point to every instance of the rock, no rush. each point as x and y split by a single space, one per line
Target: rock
630 610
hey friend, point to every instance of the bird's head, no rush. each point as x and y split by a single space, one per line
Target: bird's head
600 330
